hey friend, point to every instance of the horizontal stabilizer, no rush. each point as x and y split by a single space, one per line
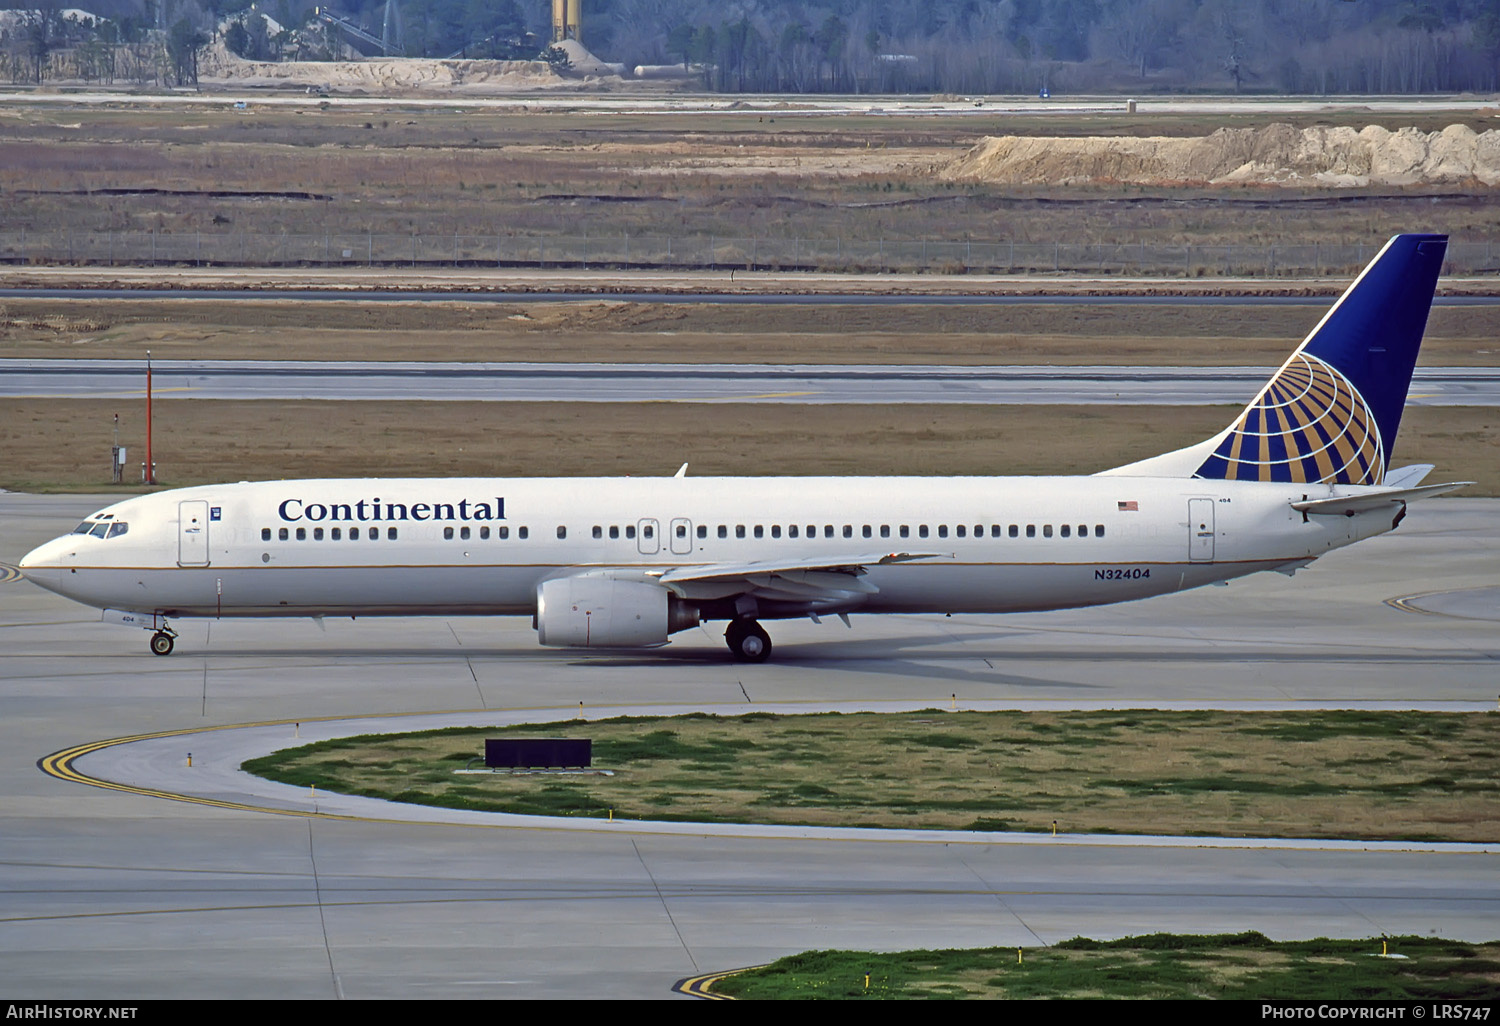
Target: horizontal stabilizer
1407 477
1364 502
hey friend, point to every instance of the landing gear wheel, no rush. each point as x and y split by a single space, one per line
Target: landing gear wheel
748 641
161 643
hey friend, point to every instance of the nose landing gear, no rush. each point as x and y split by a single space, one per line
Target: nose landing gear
748 641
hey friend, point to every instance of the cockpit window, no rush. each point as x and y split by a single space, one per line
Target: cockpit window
102 528
93 524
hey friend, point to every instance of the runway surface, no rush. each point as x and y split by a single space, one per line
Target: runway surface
759 288
124 895
787 105
597 382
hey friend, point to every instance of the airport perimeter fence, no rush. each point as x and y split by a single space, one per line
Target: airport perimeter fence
330 249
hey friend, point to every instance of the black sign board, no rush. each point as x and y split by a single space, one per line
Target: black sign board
539 753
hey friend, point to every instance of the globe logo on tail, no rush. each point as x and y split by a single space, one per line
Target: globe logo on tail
1310 425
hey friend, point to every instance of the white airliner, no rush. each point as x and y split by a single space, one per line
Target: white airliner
626 562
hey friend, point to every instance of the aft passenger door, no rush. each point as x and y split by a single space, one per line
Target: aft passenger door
192 533
1200 530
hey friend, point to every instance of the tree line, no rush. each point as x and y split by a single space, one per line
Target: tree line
48 41
1009 46
843 46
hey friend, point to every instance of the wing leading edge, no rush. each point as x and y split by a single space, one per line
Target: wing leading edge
820 582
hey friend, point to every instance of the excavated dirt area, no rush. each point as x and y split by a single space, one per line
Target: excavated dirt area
391 75
1276 154
690 178
395 76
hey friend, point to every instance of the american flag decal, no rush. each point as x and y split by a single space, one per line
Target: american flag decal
1129 507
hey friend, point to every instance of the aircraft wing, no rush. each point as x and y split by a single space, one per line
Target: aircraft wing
818 579
1364 502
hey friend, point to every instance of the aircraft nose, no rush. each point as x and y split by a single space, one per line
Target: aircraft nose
30 561
45 558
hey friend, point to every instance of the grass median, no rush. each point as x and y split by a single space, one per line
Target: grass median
1368 776
1245 966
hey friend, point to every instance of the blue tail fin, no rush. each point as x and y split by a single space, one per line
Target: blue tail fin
1331 413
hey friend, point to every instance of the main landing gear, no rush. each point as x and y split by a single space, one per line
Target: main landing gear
163 640
748 641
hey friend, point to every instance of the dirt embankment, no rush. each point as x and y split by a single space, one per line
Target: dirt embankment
394 75
1274 155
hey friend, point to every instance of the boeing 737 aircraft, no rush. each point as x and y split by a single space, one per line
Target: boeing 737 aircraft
626 562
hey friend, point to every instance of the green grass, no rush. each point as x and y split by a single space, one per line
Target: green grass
1415 776
1245 966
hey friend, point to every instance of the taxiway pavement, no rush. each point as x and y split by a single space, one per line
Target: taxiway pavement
120 894
673 382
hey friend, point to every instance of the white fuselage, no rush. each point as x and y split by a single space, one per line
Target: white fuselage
483 546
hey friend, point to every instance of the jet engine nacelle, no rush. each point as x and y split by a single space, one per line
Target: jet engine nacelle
591 611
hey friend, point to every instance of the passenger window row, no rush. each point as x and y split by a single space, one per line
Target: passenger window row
503 533
811 531
863 530
372 533
629 531
332 534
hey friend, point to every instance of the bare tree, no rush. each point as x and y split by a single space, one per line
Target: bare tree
1136 31
41 30
186 41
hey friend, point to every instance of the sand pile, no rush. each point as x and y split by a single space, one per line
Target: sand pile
382 74
1274 155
